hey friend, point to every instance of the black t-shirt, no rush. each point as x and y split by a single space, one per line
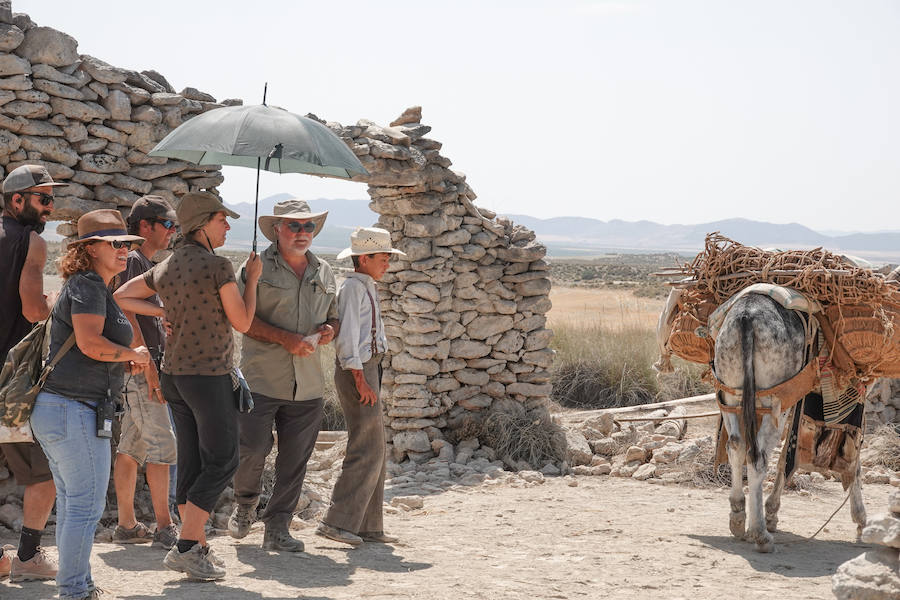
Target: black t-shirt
151 327
76 375
14 242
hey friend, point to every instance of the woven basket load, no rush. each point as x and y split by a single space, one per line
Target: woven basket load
687 339
862 306
867 334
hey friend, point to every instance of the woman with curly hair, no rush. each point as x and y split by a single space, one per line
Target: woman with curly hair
68 418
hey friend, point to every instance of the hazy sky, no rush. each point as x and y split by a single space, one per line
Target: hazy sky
671 111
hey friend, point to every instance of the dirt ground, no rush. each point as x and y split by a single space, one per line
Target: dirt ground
604 538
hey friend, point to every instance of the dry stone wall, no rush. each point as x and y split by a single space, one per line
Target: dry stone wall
90 123
465 313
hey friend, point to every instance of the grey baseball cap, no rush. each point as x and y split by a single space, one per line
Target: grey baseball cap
151 207
27 176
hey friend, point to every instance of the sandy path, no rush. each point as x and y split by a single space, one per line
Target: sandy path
605 538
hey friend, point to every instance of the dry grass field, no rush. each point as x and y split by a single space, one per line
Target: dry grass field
612 308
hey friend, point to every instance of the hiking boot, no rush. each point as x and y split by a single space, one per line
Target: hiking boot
338 535
6 555
242 517
39 566
277 537
139 534
165 537
213 557
195 563
379 537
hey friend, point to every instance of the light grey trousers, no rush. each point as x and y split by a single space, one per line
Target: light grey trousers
356 501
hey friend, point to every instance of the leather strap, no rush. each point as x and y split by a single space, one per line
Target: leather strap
374 341
789 392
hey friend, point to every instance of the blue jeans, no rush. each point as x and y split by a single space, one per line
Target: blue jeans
79 461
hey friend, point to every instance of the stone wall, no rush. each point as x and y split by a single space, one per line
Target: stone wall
91 124
465 312
883 403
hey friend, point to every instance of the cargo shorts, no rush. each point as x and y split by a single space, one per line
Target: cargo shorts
147 434
27 462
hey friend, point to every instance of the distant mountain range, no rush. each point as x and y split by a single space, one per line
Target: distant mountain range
580 236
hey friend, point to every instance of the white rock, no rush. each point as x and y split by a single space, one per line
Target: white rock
408 502
870 576
531 476
644 472
578 451
882 529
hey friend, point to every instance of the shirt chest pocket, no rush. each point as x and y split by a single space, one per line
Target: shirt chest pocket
278 299
321 297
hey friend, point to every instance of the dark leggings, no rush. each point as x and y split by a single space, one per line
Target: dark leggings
206 430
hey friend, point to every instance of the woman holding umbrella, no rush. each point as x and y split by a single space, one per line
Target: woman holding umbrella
203 303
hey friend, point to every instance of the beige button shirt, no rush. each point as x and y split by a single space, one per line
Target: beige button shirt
292 304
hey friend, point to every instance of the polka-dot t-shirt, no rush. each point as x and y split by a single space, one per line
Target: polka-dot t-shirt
188 283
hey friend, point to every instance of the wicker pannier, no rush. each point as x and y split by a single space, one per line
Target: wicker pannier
689 339
868 335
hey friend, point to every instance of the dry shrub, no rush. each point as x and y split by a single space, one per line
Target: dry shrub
706 474
600 367
519 435
882 448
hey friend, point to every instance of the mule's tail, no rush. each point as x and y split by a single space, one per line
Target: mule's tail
748 394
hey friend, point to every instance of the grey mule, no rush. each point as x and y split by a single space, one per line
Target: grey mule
278 537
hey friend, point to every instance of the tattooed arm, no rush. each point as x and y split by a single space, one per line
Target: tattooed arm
90 340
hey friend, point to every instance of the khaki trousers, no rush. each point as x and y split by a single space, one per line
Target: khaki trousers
356 501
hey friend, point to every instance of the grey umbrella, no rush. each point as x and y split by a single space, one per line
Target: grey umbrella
261 137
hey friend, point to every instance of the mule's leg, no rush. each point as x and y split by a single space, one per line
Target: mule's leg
857 508
737 450
773 502
756 475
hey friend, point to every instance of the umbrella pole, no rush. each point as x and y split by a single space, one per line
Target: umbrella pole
256 203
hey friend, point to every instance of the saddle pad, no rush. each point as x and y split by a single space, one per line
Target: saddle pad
785 296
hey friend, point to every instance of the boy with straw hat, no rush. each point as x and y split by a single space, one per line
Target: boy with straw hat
355 513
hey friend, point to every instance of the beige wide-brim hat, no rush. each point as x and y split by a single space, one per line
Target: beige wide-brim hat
369 240
292 208
104 225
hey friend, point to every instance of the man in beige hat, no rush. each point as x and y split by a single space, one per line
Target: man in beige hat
355 513
296 312
27 204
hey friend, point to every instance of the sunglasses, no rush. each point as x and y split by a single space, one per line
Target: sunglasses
295 227
45 199
119 244
167 223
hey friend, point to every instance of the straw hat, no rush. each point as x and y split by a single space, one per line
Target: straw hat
292 208
195 209
104 225
369 240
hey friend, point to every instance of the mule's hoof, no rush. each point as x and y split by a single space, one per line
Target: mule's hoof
736 523
765 547
772 525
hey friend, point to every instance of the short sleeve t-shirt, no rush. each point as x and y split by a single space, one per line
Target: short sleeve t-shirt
188 284
76 375
151 327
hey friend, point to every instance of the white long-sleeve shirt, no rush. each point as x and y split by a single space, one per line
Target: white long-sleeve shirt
353 344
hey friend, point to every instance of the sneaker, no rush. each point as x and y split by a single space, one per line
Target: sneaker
338 535
98 594
277 537
242 518
195 563
213 557
39 566
379 537
165 537
139 534
6 554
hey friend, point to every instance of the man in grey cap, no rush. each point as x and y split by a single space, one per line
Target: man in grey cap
296 311
27 204
147 434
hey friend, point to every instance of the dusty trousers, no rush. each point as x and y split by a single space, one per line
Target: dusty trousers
297 424
356 501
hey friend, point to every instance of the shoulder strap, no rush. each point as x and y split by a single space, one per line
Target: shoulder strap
48 368
372 304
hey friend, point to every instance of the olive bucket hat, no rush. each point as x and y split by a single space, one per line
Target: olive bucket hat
196 208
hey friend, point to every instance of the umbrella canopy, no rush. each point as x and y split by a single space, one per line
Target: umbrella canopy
261 136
